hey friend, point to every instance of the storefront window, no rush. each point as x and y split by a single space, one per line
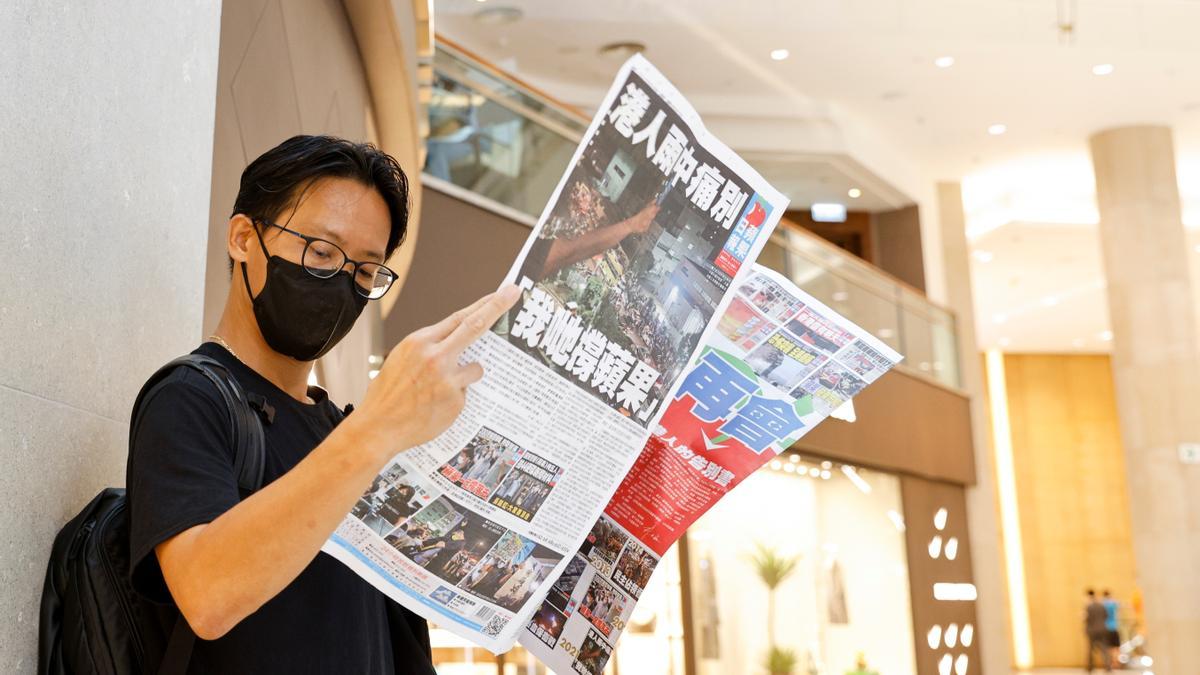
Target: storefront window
844 607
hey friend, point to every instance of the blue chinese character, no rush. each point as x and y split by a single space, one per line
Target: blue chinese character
761 422
716 385
755 437
774 415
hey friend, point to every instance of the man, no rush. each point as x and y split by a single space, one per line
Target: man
314 221
1111 624
1094 617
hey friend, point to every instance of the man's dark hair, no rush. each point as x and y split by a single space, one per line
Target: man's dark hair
1091 593
278 178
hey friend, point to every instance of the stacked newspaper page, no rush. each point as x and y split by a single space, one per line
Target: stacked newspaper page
647 242
777 364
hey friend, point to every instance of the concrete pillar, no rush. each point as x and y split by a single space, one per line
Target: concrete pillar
1156 368
106 130
982 516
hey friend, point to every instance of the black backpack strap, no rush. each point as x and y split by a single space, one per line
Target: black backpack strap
249 458
179 649
248 442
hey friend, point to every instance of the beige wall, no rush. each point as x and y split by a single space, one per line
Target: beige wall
286 68
106 122
1071 492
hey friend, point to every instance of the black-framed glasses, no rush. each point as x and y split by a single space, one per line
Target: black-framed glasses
323 259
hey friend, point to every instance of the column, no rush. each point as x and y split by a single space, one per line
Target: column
982 517
106 130
1156 368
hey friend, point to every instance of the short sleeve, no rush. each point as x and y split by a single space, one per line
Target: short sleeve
181 472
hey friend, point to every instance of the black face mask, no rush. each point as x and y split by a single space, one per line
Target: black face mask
300 315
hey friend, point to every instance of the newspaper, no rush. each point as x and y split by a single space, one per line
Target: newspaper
777 365
629 264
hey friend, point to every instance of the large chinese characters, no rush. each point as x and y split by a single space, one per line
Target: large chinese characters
634 255
721 392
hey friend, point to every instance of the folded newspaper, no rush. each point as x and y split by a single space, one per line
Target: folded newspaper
647 369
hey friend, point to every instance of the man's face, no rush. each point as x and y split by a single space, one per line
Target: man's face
340 210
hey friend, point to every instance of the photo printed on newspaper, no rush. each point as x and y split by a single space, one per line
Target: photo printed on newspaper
631 261
778 363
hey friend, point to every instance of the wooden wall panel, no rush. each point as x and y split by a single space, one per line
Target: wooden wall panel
463 253
906 424
1071 494
922 499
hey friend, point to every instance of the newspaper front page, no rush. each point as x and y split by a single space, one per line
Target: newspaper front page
778 363
629 264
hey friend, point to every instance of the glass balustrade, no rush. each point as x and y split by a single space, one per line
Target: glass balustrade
901 317
494 138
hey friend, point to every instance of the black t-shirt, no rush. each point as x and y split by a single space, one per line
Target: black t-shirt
328 620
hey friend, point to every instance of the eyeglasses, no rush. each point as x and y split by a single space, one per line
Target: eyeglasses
323 259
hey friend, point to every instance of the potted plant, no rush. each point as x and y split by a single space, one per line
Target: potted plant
781 661
772 568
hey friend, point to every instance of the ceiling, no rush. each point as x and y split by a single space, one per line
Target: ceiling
824 179
1028 193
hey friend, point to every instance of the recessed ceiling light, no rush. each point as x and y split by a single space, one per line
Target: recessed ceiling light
499 15
779 54
621 50
854 193
943 61
1103 69
1107 335
983 256
997 129
1004 342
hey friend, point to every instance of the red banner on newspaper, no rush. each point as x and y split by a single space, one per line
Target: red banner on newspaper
717 431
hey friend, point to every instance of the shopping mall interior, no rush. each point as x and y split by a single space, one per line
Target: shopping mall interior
1006 193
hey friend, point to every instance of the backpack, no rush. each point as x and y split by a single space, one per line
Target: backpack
92 621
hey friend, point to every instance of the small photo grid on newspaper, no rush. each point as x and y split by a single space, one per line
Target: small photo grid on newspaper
588 606
495 469
798 350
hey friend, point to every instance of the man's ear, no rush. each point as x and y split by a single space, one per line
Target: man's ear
241 238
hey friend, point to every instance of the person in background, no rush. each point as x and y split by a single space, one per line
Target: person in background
1111 624
1096 632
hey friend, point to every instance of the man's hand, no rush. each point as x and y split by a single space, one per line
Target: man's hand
421 388
221 572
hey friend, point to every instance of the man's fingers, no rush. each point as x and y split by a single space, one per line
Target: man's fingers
470 374
480 319
440 330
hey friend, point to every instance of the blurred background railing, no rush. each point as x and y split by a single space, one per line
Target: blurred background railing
900 316
495 136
